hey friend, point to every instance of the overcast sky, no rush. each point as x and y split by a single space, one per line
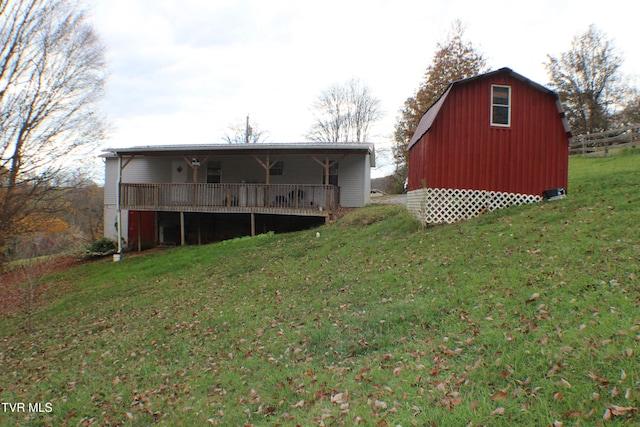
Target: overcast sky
183 71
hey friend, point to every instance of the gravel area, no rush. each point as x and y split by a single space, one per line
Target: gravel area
390 199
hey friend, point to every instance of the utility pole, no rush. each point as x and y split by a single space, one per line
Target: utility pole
248 131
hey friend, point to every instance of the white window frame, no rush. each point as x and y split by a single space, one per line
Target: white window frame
507 106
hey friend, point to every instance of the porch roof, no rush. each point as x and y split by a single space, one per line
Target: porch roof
246 149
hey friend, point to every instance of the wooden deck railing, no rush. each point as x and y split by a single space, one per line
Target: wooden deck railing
292 199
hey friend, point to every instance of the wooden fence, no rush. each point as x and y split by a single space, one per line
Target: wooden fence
600 143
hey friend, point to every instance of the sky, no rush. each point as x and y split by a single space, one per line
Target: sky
184 71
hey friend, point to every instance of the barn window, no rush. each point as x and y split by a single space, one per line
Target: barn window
500 105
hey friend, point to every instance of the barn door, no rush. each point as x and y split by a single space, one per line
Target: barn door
142 229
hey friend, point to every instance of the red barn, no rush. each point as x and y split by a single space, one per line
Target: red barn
489 141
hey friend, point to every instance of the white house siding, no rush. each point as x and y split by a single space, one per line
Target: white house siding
354 179
110 197
110 221
140 170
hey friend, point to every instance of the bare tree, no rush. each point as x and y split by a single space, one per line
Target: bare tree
245 133
344 113
52 74
588 81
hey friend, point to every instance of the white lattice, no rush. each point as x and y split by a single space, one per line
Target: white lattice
441 205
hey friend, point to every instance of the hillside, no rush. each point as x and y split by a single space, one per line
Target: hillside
528 316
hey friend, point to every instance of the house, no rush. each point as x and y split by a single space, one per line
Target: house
191 194
489 141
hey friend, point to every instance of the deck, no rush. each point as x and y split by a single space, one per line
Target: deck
279 199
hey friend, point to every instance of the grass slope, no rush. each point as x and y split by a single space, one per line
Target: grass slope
528 316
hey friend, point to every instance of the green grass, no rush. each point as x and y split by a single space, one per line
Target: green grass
525 316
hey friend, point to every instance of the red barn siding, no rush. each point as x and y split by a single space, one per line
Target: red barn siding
462 150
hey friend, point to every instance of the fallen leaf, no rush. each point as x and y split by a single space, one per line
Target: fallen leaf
450 403
533 297
576 413
500 395
497 411
339 398
621 411
564 383
380 404
598 378
299 404
615 392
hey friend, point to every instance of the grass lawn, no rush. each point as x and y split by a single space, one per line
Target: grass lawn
528 316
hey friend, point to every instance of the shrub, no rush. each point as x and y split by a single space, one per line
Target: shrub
101 247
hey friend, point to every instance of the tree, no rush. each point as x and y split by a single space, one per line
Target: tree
630 110
245 133
344 113
52 75
454 59
588 81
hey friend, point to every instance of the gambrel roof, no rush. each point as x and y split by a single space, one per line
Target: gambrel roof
432 112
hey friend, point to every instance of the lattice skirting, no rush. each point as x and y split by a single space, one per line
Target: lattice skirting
443 205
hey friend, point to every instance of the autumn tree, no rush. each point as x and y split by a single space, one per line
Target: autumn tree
344 113
588 81
455 59
83 202
52 74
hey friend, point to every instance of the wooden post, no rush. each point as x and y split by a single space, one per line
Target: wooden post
326 185
267 165
182 235
139 233
253 224
199 231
